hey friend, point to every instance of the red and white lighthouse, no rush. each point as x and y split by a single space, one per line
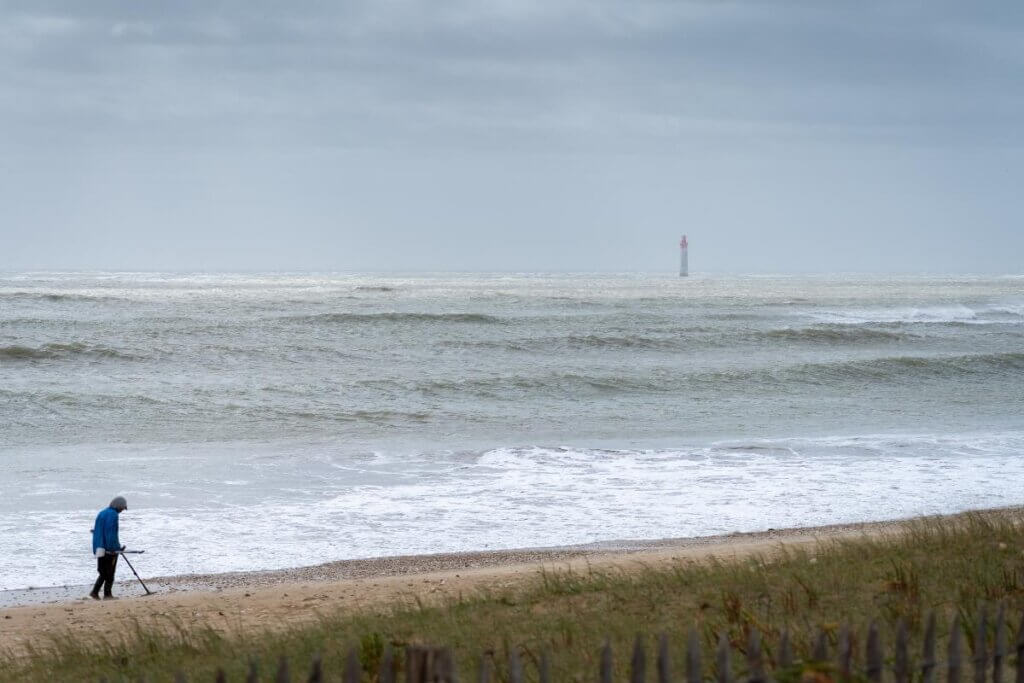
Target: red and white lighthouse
684 262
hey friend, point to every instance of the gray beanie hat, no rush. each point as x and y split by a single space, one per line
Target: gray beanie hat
119 504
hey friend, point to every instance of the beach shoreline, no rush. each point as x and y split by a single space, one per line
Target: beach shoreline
278 598
402 565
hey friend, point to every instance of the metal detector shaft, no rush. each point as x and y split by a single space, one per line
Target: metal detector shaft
148 592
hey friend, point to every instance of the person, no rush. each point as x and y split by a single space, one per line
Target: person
106 546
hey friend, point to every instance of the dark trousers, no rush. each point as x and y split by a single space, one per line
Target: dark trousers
106 566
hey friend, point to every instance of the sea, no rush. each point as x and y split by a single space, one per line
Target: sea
272 420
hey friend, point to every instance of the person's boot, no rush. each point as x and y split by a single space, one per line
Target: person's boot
95 595
108 596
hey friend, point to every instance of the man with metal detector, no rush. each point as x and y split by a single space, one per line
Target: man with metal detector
106 546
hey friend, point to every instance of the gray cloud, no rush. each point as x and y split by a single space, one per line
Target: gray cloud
166 130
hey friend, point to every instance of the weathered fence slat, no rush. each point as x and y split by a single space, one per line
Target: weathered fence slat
999 647
722 660
387 665
545 667
873 670
664 660
980 657
901 658
448 671
928 662
606 663
954 658
415 659
820 652
284 674
422 665
845 653
484 671
415 664
353 669
755 662
1020 650
785 650
515 667
316 670
693 664
638 664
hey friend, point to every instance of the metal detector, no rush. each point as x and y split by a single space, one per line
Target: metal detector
124 553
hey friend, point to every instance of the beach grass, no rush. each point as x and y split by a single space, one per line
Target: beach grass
948 566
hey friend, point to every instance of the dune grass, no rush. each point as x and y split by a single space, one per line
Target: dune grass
947 566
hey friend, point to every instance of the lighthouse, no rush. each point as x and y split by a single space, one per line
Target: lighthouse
684 264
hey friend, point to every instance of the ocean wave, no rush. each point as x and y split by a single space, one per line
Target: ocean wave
737 316
878 370
502 387
999 443
54 296
375 288
571 384
596 341
789 302
579 302
1012 309
875 370
831 334
970 443
678 339
359 318
896 368
515 345
958 314
389 418
61 352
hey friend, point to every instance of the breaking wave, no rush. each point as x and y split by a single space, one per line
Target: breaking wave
60 352
957 314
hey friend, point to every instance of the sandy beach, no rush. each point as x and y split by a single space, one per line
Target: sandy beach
277 599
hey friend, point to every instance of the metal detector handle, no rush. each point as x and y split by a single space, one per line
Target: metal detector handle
126 552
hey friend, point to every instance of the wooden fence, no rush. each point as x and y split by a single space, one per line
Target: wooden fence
988 661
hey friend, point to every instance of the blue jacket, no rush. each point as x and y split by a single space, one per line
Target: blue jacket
104 532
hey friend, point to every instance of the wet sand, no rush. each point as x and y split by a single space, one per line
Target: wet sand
276 599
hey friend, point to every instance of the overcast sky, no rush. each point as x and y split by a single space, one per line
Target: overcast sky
512 135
